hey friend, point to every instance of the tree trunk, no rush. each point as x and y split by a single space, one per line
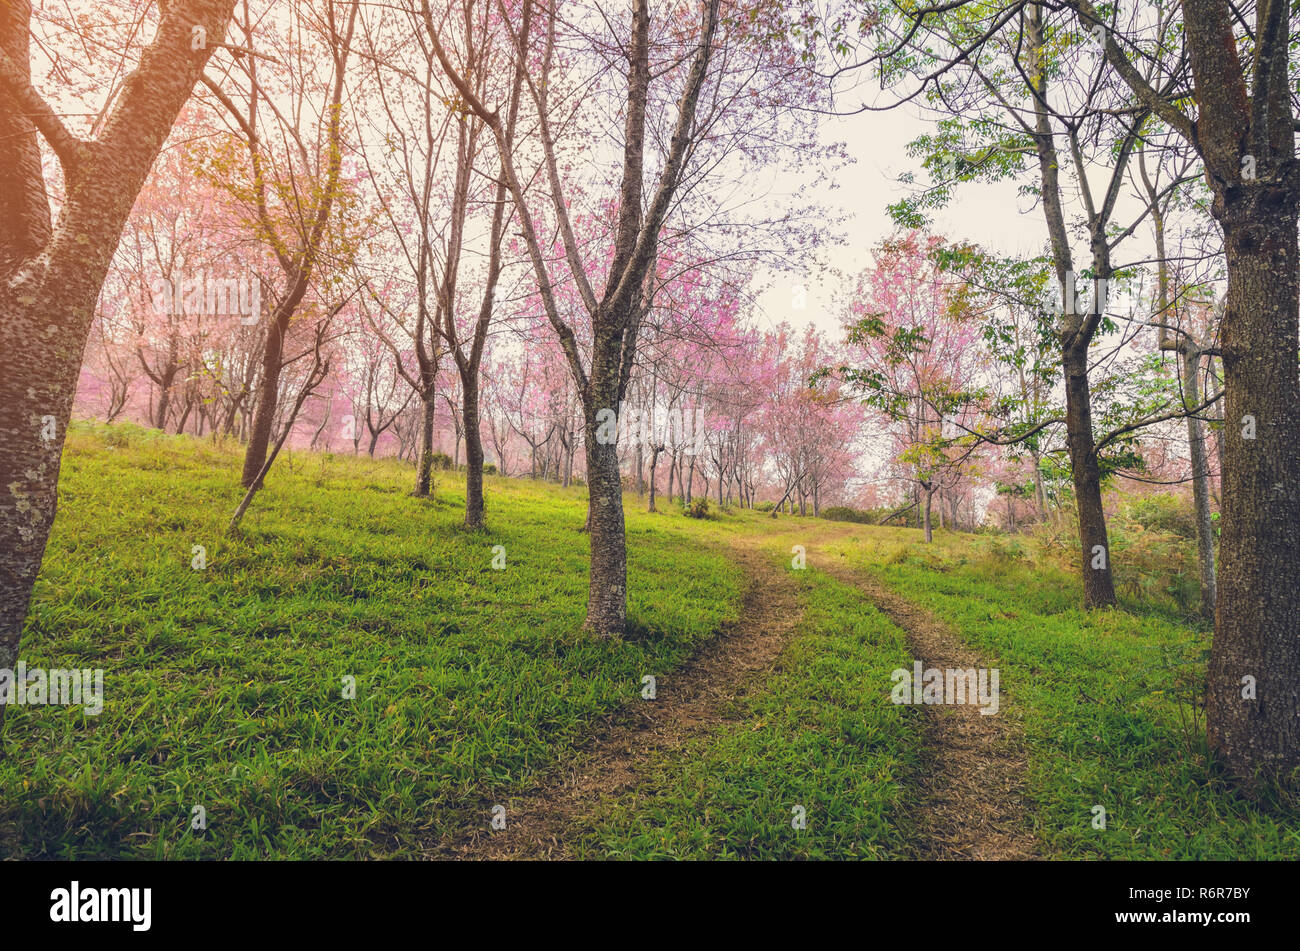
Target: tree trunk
607 586
259 438
1076 332
164 403
314 377
474 516
568 465
929 497
1258 611
51 276
1200 482
325 421
1219 435
654 463
424 467
500 450
1098 585
1040 494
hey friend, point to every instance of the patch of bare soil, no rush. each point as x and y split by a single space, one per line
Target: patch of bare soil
689 700
971 782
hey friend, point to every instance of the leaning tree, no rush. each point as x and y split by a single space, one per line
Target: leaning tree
53 266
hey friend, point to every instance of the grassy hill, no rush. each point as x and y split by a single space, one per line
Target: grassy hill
226 685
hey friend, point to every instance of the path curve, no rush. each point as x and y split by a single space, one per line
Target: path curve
541 821
971 782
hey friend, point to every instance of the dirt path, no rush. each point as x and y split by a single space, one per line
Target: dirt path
969 797
971 786
539 824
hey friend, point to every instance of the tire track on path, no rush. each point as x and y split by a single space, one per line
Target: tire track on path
971 783
540 822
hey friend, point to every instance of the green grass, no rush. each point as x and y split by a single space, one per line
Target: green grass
816 735
224 686
1107 702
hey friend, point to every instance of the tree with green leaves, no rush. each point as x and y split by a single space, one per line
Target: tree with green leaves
1017 86
1240 79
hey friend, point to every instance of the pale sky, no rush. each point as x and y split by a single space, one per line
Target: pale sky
992 215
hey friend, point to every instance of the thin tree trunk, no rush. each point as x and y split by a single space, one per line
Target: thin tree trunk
1040 494
164 404
929 496
325 421
424 467
573 451
1076 333
607 587
1098 585
1200 483
654 462
259 438
474 514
